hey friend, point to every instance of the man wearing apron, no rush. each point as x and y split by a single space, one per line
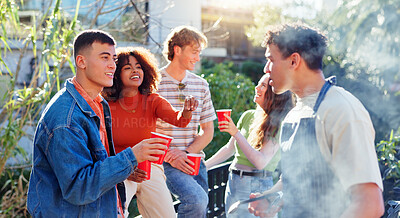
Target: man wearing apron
329 164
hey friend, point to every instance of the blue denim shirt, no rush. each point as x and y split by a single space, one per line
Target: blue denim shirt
72 175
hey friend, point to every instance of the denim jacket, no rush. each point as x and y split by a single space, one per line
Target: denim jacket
72 175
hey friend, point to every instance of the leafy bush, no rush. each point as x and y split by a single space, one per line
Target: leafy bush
13 189
229 90
252 69
48 39
389 162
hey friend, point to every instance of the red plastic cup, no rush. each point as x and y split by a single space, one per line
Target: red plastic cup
146 166
221 112
161 156
196 159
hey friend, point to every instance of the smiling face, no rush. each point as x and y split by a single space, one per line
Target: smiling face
96 67
188 55
132 74
279 70
261 90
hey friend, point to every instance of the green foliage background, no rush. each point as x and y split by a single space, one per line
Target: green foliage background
229 90
48 38
389 163
364 54
252 69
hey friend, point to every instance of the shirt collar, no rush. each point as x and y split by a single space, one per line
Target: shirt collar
84 94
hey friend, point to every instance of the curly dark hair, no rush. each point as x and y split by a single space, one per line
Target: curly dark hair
182 36
297 37
149 64
267 124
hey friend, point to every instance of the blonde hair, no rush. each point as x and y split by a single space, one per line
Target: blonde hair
182 36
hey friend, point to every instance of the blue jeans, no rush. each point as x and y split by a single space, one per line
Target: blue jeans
240 188
192 191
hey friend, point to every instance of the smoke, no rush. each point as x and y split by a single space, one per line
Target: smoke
366 46
364 54
310 187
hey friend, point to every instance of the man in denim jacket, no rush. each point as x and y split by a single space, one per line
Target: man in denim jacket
75 168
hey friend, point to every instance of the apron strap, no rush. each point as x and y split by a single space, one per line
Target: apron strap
329 82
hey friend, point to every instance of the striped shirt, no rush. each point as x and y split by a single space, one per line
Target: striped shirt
196 86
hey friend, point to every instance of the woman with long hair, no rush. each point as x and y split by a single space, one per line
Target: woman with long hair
135 108
256 158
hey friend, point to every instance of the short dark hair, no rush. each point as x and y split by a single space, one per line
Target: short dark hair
291 38
182 36
86 38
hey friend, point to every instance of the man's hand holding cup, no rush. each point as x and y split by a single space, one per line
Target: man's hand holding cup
149 149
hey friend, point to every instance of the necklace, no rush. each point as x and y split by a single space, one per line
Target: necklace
126 109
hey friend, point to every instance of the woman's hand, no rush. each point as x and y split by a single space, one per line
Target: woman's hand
228 126
189 106
138 175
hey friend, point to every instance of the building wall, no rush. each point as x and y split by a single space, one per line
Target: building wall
225 29
167 14
12 60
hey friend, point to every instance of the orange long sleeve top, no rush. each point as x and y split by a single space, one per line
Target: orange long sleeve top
134 118
97 107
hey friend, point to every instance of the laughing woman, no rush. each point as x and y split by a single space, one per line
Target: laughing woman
135 108
257 157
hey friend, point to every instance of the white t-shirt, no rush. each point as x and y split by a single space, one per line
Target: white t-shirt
199 88
345 135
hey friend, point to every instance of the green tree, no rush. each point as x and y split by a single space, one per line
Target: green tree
389 163
364 47
263 17
268 14
363 52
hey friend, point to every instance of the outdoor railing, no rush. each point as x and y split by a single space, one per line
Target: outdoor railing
217 177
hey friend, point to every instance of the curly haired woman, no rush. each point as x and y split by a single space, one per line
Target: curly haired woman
135 108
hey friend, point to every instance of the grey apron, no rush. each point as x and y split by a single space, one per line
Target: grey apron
310 187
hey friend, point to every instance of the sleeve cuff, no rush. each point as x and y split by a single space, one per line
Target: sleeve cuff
128 153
